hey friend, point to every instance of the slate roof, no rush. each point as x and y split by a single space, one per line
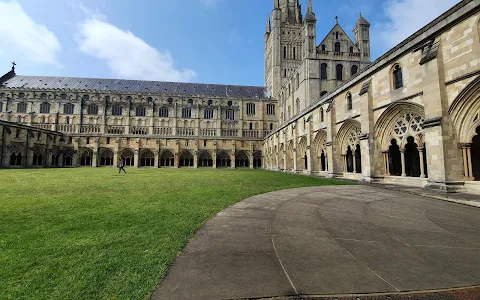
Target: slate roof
134 86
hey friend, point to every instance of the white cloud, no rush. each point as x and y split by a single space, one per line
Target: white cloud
126 55
405 17
22 38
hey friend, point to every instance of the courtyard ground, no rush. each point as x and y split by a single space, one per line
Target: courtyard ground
349 242
91 233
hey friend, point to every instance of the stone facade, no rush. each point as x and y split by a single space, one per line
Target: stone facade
410 117
171 125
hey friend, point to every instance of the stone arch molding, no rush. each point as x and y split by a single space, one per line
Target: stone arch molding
349 135
400 121
465 111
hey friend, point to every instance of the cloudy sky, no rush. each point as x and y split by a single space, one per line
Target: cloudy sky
207 41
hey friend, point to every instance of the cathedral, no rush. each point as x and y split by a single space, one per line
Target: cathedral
410 117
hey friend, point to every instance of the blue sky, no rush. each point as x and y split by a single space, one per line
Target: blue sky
207 41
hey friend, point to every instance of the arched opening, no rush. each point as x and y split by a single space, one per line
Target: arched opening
167 159
349 160
16 158
68 158
186 159
147 159
322 115
205 160
351 49
400 133
412 158
358 159
394 158
223 160
323 71
397 77
323 161
475 152
38 156
354 70
128 158
337 47
106 158
257 160
86 158
241 160
349 102
339 72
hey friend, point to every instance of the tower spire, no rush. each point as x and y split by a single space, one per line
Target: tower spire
309 7
269 26
276 5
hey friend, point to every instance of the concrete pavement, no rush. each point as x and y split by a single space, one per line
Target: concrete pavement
328 241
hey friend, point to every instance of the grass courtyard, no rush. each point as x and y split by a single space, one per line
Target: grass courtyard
94 234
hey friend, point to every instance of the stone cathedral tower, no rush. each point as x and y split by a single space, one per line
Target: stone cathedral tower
283 44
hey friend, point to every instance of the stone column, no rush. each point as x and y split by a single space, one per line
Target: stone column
136 159
402 154
232 159
195 159
469 161
284 167
155 162
214 157
465 161
250 158
422 166
344 163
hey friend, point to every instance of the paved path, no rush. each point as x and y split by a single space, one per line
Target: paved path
328 241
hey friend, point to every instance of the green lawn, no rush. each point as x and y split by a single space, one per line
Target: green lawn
94 234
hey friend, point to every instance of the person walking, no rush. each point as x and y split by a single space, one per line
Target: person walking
120 166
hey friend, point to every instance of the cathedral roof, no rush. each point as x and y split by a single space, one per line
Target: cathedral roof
134 86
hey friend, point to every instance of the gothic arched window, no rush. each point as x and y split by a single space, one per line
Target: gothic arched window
337 47
323 71
349 102
339 72
351 49
323 48
397 77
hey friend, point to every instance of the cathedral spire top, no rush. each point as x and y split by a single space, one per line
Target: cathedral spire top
309 7
269 26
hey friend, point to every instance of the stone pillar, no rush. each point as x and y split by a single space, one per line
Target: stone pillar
136 159
156 157
195 159
402 155
214 157
469 161
344 163
422 166
284 167
232 158
250 158
95 157
465 162
60 158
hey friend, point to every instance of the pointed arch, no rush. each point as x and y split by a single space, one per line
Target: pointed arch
147 158
186 159
302 160
242 159
289 156
348 135
205 159
223 160
128 157
167 159
319 152
465 111
411 118
85 157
